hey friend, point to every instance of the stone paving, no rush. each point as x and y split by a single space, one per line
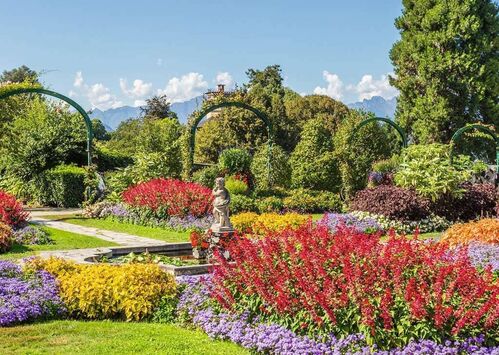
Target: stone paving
79 255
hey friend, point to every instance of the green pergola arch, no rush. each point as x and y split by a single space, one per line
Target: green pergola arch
211 108
399 129
478 127
81 111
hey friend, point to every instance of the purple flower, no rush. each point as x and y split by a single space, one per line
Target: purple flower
334 220
482 255
30 235
25 296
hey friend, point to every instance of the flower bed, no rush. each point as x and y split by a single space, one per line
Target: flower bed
260 224
314 282
333 221
196 307
484 231
166 198
27 296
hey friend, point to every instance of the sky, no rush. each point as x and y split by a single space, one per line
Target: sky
106 54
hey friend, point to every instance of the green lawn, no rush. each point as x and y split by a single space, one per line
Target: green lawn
106 337
62 241
141 231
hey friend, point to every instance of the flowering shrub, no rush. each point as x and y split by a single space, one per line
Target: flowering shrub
165 198
5 238
12 212
485 231
392 202
316 282
129 291
195 307
27 296
430 224
335 220
30 235
260 224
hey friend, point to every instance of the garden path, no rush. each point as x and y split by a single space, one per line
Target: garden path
79 255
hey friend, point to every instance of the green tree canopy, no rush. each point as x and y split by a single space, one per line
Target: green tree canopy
446 66
158 107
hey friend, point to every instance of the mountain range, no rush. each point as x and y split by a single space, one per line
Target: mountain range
113 117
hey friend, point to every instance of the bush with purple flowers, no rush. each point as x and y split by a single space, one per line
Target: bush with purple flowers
27 296
30 235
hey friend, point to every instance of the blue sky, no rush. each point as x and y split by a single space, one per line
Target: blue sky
111 53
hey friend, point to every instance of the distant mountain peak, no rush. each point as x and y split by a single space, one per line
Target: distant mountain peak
378 105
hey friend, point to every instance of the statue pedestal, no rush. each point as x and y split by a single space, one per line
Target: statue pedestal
216 240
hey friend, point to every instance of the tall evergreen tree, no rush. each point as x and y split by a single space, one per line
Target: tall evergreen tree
446 66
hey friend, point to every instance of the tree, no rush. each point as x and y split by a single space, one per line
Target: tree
446 66
100 131
279 173
157 107
357 153
19 75
313 163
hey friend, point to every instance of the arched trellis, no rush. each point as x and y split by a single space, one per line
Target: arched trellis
81 111
211 108
399 129
478 127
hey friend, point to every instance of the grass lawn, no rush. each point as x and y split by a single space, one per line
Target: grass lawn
107 337
62 241
108 224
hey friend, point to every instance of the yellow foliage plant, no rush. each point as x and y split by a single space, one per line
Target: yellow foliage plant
485 231
253 223
128 291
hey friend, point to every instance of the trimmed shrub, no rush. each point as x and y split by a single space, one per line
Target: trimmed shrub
206 176
6 238
165 198
484 231
108 159
478 200
63 186
236 186
313 164
241 203
270 204
129 291
280 172
233 161
308 201
392 202
12 212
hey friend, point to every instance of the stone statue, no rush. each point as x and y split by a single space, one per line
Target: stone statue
221 207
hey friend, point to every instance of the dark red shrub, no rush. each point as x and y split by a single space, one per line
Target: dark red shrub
170 198
349 282
392 202
12 212
478 200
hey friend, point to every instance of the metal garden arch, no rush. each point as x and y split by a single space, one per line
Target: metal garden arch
214 107
478 127
81 111
399 129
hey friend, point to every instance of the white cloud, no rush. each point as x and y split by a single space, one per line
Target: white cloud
98 95
138 103
368 87
225 78
334 87
139 89
185 88
78 80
